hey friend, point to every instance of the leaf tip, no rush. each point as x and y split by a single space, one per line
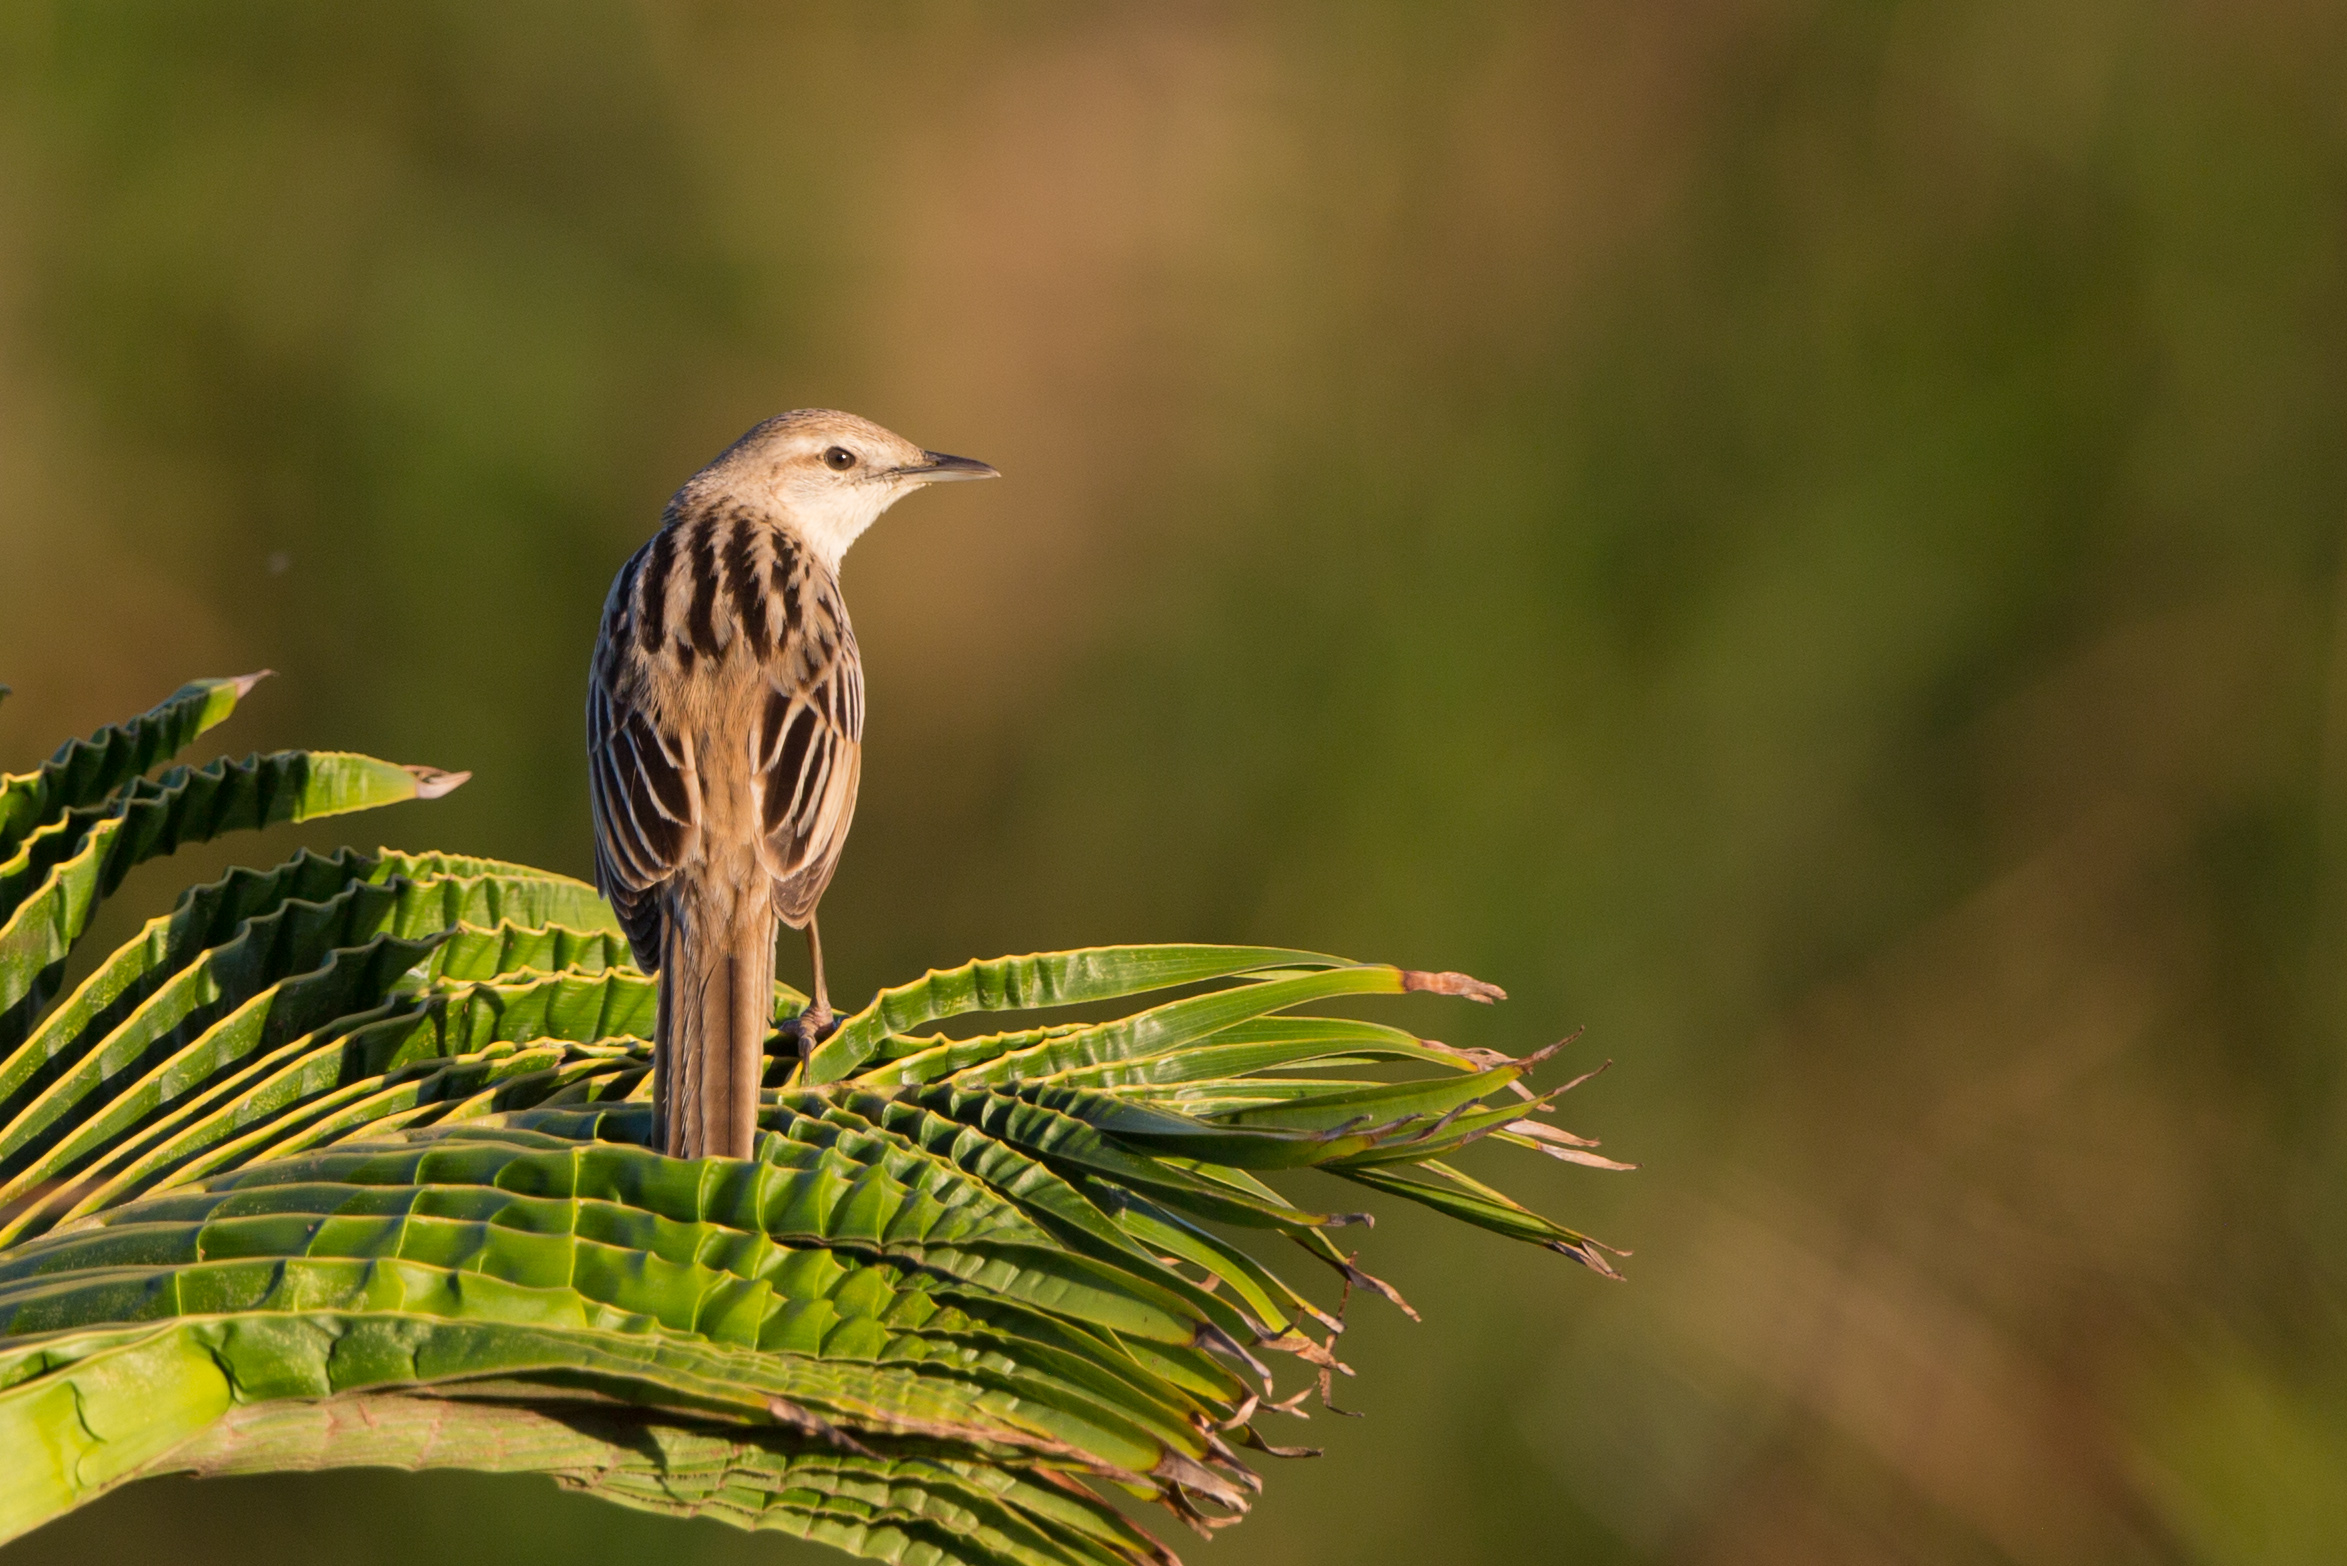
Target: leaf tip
243 684
431 782
1461 984
1590 1254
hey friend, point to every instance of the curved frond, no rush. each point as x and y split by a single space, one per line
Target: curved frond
347 1162
85 771
67 865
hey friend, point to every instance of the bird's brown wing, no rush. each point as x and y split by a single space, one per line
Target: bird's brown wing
806 751
641 782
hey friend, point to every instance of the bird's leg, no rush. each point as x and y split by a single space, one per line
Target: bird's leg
816 1020
815 956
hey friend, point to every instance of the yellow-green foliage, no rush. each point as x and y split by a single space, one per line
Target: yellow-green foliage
344 1163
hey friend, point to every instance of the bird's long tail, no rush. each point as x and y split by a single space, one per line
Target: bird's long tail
716 999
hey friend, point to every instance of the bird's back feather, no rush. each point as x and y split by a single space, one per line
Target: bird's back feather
725 715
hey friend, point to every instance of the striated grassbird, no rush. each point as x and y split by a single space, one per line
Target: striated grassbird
725 723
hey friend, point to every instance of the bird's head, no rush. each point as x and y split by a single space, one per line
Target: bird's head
825 475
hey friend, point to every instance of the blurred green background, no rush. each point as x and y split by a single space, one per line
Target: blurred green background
1804 537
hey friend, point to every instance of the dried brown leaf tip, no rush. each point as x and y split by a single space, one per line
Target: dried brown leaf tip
1480 1059
244 683
1591 1254
1360 1277
1468 985
431 782
1564 1145
1254 1441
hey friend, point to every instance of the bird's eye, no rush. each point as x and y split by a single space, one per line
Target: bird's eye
839 459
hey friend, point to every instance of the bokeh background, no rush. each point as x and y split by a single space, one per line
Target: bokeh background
1804 537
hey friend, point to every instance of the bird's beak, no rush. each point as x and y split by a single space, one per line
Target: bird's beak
935 467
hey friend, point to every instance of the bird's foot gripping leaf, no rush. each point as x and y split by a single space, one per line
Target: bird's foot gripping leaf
803 1032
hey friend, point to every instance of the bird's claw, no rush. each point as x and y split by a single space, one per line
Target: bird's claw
810 1028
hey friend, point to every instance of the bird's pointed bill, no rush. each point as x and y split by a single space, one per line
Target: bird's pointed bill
936 467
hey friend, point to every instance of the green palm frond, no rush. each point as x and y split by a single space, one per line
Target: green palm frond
345 1163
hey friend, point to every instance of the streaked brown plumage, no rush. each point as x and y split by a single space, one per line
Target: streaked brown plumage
725 722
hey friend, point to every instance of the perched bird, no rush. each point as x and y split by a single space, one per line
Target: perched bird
725 724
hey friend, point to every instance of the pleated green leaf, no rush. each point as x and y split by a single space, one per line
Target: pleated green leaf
85 771
345 1162
1034 982
1473 1202
939 1505
73 862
